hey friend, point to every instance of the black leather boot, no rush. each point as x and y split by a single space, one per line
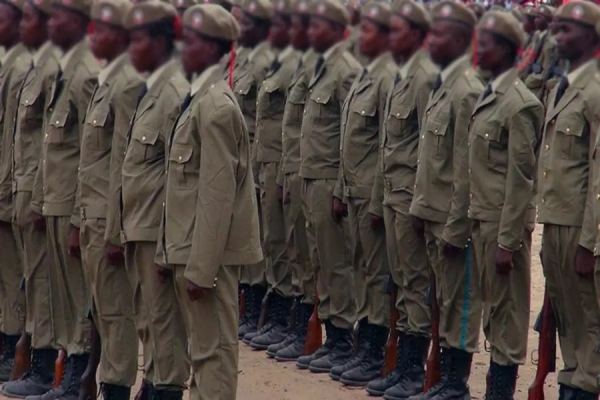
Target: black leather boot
502 381
36 381
7 360
72 381
295 349
292 334
259 295
304 361
567 392
339 355
583 395
412 378
378 387
371 364
254 298
114 392
243 289
278 320
360 350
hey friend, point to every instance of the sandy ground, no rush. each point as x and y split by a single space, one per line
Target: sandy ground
261 378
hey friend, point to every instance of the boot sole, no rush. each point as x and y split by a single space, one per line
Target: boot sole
271 355
256 346
301 366
318 370
16 396
375 393
354 383
334 377
288 359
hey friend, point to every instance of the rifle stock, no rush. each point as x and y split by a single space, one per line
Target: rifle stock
22 357
433 369
546 350
59 367
314 335
391 346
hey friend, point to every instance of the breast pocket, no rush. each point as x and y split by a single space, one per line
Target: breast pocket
28 117
245 91
367 109
493 143
272 100
100 133
297 100
183 171
145 144
55 131
437 145
323 112
398 121
569 134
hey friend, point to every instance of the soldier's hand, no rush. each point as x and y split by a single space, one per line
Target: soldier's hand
376 222
449 250
584 262
339 209
39 222
418 225
115 255
74 247
280 194
163 274
503 261
195 292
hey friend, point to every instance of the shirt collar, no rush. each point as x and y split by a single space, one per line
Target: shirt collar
106 71
330 50
151 81
284 53
66 58
453 66
254 51
407 66
573 75
44 48
7 55
496 82
201 80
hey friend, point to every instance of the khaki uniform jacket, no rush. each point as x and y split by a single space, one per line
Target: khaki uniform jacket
363 116
293 113
12 75
352 45
29 132
565 195
320 133
241 53
405 109
442 183
504 139
144 165
211 214
103 143
271 105
67 104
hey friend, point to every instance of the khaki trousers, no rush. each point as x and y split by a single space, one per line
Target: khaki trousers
12 299
68 291
370 259
213 345
303 275
409 265
278 272
165 338
111 296
37 264
506 298
331 245
575 304
458 295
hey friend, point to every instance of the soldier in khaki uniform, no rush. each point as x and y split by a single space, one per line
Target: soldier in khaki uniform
66 105
566 200
362 121
407 252
250 72
103 141
270 104
14 65
327 229
504 136
209 176
290 185
161 327
352 42
31 230
441 196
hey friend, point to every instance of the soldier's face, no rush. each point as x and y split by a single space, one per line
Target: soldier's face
489 53
9 25
298 33
32 28
370 38
63 25
141 50
193 45
402 37
279 32
103 39
237 13
572 39
440 41
321 34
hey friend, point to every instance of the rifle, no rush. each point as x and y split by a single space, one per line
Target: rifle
59 367
545 325
22 357
433 369
314 335
391 346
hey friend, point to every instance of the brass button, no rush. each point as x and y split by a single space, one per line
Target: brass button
143 138
568 129
486 135
435 130
26 101
422 136
94 121
598 197
57 122
398 115
543 201
546 147
179 158
545 174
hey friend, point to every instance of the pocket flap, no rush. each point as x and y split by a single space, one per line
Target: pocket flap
321 97
570 125
181 154
490 131
437 127
98 117
59 118
365 107
145 135
244 84
401 111
297 96
29 97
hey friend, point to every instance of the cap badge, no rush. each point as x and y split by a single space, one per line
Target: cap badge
321 8
197 20
406 9
577 12
374 12
490 23
446 10
252 7
138 17
106 13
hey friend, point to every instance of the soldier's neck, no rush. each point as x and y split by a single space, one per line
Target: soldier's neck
582 60
74 41
407 55
496 72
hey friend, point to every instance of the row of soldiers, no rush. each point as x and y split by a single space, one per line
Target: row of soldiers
387 164
399 162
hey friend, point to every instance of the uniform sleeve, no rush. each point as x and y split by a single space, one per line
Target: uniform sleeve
219 161
588 229
82 95
425 86
523 137
123 106
458 226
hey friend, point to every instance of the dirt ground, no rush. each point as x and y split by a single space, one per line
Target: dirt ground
261 378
